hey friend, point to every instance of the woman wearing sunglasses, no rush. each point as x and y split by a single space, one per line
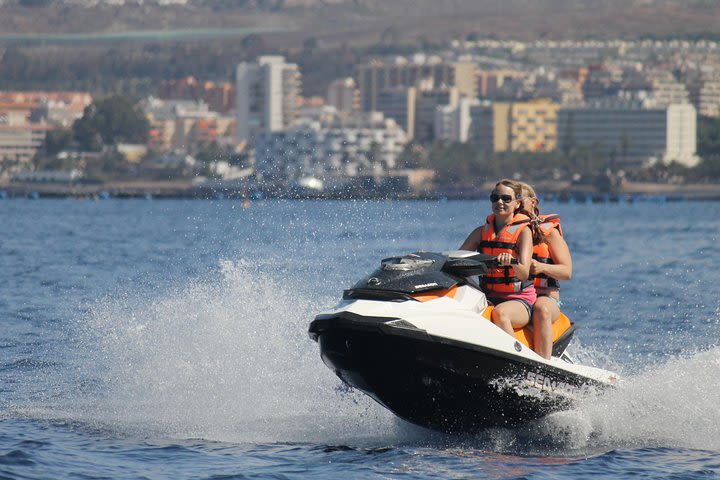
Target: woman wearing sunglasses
506 237
551 262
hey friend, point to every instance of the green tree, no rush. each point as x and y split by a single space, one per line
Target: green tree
57 140
411 156
110 121
211 152
454 161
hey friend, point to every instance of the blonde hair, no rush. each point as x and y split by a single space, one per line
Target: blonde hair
537 234
527 188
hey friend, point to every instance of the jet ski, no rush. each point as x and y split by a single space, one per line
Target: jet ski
416 336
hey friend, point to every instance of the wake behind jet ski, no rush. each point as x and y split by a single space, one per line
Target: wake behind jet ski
416 336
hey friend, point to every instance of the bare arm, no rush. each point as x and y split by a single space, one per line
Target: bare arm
473 240
561 269
525 249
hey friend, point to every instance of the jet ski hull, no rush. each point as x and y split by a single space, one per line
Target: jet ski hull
440 383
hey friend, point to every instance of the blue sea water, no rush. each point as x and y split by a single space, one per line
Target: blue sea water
168 339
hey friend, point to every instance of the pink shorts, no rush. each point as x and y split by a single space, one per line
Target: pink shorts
527 297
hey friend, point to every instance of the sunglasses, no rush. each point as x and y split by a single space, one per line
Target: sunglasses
505 198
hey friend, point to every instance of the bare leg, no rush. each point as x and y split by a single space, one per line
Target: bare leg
509 315
545 312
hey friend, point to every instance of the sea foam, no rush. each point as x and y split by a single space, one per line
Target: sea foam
227 358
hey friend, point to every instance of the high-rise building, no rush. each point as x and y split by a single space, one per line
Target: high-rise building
398 103
266 94
378 75
517 127
426 104
414 108
631 134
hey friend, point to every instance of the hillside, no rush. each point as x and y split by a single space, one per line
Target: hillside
107 48
362 22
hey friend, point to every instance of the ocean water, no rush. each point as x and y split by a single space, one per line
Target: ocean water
168 340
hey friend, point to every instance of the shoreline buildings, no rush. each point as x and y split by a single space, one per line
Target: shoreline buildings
632 103
27 117
267 93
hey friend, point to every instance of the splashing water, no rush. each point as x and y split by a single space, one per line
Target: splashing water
226 359
672 405
229 359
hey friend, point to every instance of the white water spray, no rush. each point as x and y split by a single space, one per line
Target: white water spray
229 359
673 405
225 359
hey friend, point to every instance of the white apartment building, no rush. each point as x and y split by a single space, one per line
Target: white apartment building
367 144
630 133
19 141
267 91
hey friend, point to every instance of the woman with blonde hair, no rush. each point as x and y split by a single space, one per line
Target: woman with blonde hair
505 235
551 262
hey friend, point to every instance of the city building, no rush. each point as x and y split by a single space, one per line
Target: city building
399 103
500 84
267 94
413 108
379 75
20 140
631 134
220 97
665 90
481 131
452 122
344 95
364 144
514 126
58 108
427 101
180 125
709 99
25 119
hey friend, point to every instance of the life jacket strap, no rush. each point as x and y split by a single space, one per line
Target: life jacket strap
496 280
490 244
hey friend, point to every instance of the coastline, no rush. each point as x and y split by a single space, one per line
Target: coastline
562 191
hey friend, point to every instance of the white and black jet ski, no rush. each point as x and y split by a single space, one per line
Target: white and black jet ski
416 336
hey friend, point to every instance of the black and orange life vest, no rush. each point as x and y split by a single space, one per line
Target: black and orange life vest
541 251
502 279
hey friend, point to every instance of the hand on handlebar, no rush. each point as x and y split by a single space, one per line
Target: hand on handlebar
505 259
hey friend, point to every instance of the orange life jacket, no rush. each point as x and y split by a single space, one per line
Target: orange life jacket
502 279
541 251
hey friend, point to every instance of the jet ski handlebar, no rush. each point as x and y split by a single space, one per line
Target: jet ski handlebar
466 263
